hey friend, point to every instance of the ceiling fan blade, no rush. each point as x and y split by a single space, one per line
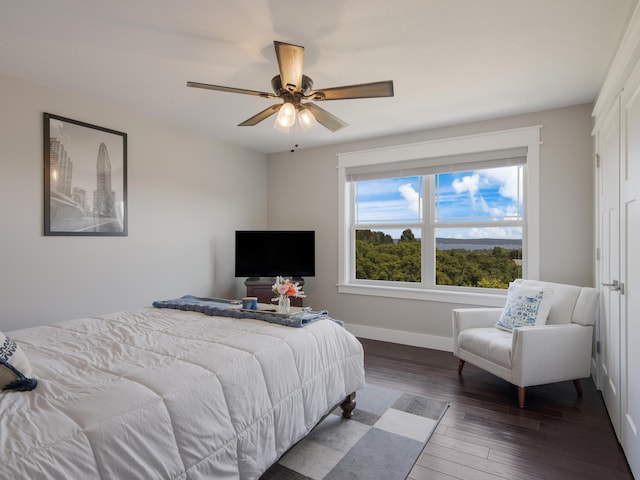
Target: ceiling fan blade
362 90
231 89
290 62
325 118
257 118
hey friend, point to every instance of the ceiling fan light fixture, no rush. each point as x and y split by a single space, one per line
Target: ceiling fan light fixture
280 128
307 119
286 116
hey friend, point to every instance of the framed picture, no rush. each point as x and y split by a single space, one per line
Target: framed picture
85 179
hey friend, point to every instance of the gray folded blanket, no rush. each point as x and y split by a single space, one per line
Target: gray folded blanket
222 308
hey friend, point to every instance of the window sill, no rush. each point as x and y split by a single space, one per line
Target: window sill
481 299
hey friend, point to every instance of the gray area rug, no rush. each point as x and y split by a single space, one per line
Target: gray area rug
382 441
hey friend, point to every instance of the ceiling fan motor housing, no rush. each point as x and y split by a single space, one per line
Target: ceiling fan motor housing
279 90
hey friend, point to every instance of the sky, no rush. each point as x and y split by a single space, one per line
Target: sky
479 195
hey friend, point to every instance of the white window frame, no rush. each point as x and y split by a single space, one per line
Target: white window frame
431 153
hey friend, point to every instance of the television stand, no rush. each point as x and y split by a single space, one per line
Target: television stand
262 288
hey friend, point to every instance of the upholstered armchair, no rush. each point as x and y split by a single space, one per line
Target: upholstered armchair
551 347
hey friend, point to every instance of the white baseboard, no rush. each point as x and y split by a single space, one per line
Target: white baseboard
401 337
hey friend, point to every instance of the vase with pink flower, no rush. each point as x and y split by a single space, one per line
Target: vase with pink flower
284 289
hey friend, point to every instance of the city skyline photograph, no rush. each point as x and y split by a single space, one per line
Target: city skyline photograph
85 189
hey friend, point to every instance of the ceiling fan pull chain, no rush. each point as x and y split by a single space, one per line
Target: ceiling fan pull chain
295 143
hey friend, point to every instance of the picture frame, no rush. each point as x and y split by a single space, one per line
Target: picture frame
85 179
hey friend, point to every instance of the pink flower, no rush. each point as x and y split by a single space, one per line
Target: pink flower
285 287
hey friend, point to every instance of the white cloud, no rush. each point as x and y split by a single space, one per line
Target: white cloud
507 178
505 211
507 182
468 184
411 196
377 188
384 211
388 200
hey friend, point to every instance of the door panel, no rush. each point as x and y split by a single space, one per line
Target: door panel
609 203
630 272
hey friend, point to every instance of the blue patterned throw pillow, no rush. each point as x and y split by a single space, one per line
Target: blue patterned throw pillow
526 307
14 367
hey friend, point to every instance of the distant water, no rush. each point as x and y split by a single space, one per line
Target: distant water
479 244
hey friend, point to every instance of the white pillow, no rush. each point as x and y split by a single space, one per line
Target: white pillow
526 307
13 354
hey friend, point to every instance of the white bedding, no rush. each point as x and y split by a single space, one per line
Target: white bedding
158 393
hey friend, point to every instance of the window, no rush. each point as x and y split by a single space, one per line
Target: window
453 215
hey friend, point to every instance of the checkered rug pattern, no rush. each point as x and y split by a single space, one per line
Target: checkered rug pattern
382 440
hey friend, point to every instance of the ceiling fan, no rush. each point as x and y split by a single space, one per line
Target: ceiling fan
294 89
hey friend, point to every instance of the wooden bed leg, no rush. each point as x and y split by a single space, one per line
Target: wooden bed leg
576 383
521 391
460 366
349 405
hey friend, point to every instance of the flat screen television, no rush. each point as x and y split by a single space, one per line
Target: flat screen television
268 253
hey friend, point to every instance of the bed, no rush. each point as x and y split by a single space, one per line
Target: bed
171 394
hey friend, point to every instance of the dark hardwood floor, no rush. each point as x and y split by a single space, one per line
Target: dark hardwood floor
484 435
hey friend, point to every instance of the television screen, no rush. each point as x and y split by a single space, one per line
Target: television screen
268 253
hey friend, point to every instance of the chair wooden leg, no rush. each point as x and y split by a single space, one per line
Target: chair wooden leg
460 366
576 383
521 396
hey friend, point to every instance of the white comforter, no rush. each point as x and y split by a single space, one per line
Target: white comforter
158 393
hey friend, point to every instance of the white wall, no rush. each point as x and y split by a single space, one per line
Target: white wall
187 195
308 179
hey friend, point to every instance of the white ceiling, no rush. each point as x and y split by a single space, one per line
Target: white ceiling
452 61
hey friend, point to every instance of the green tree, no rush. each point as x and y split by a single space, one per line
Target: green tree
378 257
407 236
375 238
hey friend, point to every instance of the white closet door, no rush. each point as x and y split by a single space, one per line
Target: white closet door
609 213
630 271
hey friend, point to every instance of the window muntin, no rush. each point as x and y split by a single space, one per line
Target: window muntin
478 206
